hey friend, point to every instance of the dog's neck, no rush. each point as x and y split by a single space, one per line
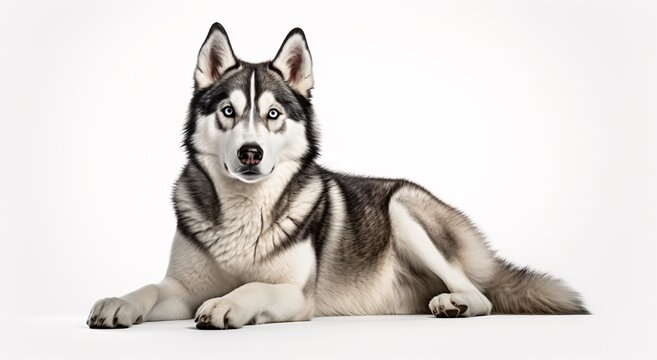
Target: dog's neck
262 194
245 222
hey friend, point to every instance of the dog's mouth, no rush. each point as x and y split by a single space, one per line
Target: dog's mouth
248 173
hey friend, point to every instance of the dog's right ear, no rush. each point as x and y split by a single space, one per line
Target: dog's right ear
215 57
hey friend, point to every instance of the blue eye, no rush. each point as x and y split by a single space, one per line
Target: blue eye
228 111
273 114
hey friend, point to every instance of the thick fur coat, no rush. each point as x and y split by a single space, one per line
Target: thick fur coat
267 235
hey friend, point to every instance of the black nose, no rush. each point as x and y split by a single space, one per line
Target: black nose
250 154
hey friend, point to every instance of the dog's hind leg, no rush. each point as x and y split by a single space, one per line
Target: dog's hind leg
413 240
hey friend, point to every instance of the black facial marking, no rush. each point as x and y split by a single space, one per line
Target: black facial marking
218 122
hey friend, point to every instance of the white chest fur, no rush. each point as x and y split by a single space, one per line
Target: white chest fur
236 239
246 241
244 237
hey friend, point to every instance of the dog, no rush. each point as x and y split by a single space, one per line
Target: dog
264 234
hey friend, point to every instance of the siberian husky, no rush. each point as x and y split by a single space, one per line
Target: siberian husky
264 234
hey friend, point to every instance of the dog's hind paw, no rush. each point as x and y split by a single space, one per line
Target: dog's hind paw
463 304
443 306
459 305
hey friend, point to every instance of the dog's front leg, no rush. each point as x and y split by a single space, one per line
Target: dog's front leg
192 278
254 303
121 312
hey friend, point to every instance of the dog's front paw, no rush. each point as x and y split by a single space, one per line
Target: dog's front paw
113 313
221 313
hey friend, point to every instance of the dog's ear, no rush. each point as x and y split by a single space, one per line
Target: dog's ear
215 57
294 62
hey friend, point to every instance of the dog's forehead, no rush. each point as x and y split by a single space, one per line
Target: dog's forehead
270 82
263 80
248 76
256 77
240 79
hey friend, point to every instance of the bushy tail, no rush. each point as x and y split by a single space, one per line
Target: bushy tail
517 290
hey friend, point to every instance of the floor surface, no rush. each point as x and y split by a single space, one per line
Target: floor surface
380 337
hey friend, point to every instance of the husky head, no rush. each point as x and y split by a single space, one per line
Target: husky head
248 121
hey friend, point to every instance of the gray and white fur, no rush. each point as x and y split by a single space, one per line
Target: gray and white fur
267 235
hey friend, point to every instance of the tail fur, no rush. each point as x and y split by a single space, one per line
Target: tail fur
517 290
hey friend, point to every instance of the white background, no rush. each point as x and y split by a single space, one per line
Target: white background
537 118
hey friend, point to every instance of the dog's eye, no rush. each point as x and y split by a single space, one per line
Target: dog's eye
228 111
273 114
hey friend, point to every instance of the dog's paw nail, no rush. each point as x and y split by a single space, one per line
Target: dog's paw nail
462 308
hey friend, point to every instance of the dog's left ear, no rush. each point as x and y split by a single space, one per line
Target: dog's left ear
294 62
